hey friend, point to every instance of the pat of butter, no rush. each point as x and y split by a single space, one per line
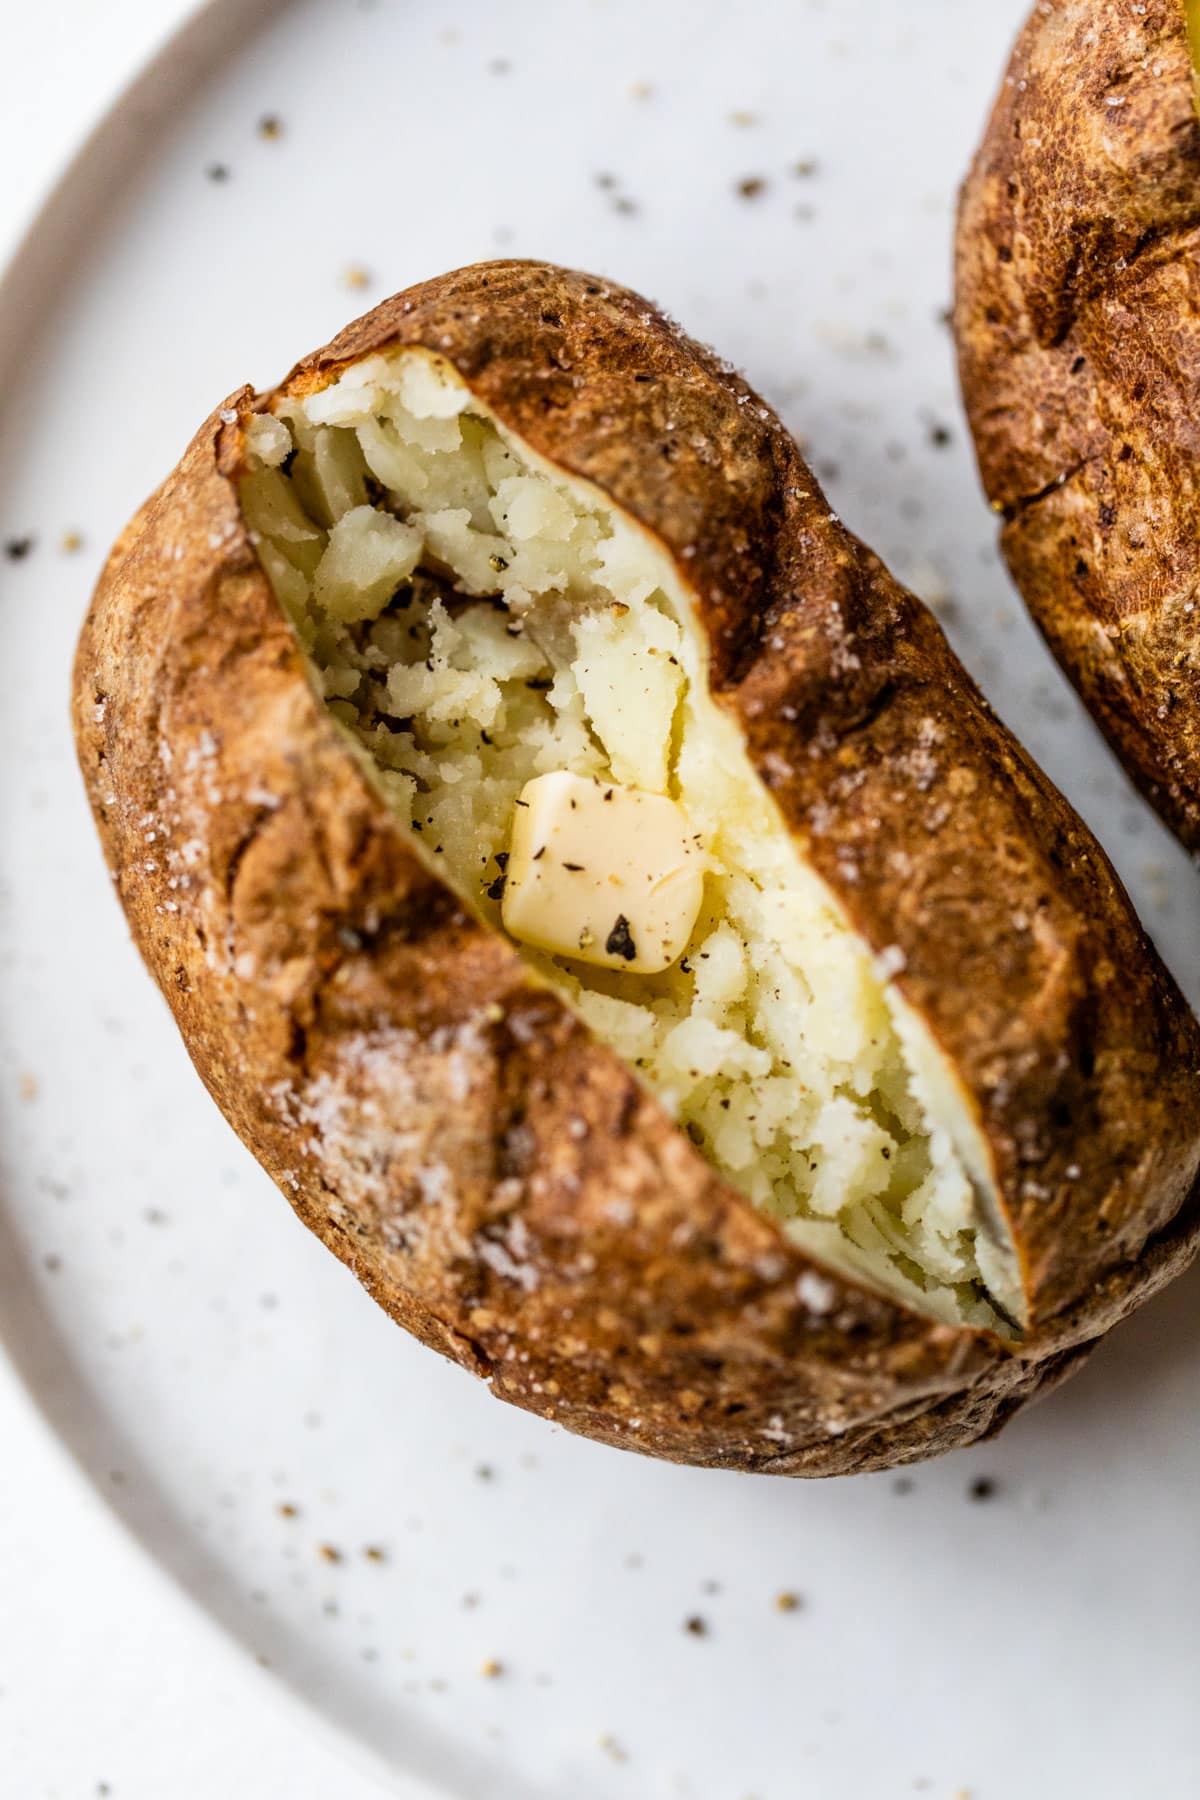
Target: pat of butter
604 874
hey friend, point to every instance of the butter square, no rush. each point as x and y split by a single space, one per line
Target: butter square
602 873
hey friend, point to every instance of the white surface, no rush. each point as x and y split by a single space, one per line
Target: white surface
181 1331
108 1684
63 68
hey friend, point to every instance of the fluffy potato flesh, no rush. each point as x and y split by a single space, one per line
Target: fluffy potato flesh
475 619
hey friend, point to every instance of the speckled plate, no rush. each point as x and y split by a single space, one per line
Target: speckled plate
477 1599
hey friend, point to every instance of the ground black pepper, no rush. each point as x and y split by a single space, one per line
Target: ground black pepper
620 940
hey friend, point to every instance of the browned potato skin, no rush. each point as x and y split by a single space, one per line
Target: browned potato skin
1078 327
354 1022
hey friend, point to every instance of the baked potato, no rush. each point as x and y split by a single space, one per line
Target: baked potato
596 894
1078 269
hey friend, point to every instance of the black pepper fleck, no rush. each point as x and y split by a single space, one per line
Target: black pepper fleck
620 940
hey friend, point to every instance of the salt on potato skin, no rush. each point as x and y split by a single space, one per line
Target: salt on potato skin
495 1176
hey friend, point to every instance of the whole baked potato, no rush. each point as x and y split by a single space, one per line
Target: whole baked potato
597 895
1078 326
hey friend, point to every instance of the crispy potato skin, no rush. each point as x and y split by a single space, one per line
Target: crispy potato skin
493 1175
1078 327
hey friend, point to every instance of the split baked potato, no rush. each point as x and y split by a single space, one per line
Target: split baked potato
1078 329
599 898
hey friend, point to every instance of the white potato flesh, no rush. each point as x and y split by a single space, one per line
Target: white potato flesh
368 555
499 622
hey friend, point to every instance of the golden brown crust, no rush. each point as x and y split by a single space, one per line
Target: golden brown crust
1078 325
494 1176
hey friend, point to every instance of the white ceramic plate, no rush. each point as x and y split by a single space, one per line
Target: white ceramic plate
212 1366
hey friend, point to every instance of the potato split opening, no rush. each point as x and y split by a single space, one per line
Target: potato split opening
476 619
